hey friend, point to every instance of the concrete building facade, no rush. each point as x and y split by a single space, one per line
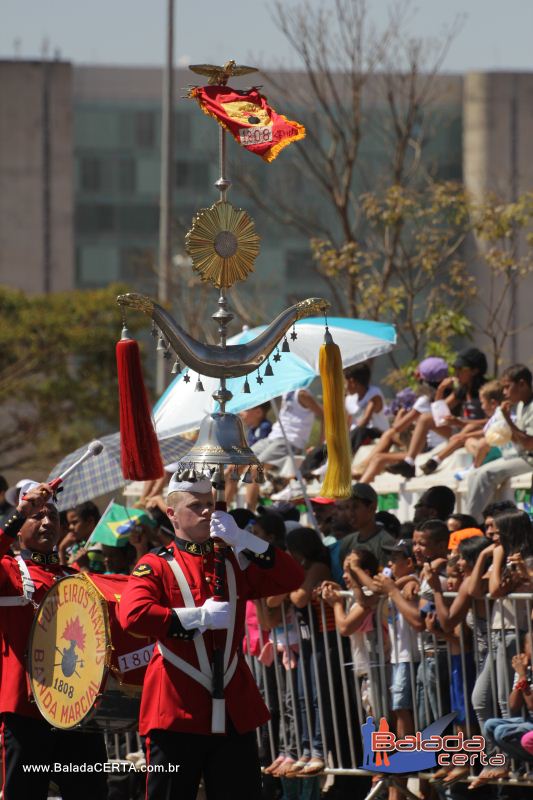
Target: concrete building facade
36 176
498 157
80 176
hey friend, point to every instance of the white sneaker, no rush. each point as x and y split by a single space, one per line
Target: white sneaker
321 471
266 488
292 491
314 488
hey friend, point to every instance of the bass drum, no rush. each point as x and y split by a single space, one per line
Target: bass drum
84 670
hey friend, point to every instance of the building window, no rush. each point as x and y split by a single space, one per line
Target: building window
140 220
145 129
91 174
138 268
182 124
95 219
192 174
127 182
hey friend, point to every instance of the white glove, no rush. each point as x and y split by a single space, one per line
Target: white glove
224 526
212 615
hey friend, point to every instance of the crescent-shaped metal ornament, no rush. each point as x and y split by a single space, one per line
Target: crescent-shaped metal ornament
215 361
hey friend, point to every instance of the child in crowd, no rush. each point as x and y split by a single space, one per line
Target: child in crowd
471 437
510 620
429 374
460 568
405 653
307 548
365 411
358 620
490 513
482 483
463 401
506 734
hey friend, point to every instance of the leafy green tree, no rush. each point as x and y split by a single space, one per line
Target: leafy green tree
58 381
414 267
408 268
503 262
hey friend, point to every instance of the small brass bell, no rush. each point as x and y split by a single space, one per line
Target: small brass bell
248 476
199 386
161 345
285 346
234 475
176 369
246 387
268 370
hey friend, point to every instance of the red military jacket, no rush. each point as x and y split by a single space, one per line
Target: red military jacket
171 699
16 622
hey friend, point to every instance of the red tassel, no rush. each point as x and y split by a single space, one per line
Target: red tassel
139 449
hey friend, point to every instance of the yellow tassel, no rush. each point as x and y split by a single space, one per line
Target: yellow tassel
338 478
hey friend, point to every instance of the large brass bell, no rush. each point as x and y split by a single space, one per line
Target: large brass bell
221 440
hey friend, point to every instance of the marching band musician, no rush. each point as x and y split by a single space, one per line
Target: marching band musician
170 596
30 746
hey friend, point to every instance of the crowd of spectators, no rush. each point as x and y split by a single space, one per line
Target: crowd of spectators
409 619
473 433
425 625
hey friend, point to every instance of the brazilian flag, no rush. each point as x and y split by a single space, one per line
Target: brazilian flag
116 524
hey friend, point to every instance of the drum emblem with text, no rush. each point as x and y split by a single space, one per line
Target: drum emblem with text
69 652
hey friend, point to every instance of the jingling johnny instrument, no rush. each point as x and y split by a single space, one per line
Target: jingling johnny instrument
223 246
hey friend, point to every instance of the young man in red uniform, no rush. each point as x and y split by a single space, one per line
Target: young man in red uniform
170 596
27 739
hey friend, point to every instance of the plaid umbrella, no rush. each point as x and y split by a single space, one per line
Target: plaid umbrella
102 474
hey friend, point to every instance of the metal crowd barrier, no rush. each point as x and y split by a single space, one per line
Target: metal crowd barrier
326 691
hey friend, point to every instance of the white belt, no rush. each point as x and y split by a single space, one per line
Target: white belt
28 587
18 600
204 675
205 679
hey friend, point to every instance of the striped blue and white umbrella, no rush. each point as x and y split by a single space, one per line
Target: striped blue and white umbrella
181 408
102 474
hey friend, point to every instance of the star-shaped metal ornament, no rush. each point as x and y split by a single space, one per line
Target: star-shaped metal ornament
294 335
186 377
277 356
259 379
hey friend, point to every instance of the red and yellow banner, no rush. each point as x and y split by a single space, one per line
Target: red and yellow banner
254 124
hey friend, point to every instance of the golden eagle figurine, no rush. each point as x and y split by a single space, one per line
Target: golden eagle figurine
219 76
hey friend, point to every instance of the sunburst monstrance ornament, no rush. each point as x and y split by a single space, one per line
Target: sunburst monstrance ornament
222 244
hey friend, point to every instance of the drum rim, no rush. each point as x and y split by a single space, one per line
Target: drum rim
107 660
115 671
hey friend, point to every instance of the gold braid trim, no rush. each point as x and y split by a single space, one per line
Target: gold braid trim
271 154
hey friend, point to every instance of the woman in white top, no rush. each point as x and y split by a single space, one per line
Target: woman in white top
429 373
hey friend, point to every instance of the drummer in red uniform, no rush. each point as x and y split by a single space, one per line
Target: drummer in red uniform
170 596
30 747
